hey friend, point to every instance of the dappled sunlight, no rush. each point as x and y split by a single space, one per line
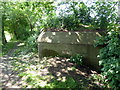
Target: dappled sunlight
8 76
70 43
12 65
7 35
48 72
65 53
81 73
21 44
76 37
64 69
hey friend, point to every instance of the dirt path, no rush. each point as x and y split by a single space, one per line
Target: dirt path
9 78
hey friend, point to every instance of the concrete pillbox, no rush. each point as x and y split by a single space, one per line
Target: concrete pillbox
51 43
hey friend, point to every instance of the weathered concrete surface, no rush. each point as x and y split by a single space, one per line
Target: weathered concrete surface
71 43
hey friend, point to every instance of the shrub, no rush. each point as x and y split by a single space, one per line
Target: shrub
110 54
76 59
104 14
54 22
31 43
77 13
78 16
110 59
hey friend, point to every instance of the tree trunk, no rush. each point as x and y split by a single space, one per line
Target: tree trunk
16 35
31 27
4 41
30 24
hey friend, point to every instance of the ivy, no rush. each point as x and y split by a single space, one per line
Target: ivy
110 59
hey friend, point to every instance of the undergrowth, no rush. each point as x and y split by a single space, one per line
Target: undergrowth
110 59
7 47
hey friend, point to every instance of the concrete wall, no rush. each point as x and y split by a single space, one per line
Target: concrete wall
70 43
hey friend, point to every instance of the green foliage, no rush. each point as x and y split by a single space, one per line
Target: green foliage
31 43
54 22
15 21
98 79
7 47
20 18
68 83
80 14
37 81
110 59
71 23
73 68
77 59
105 14
110 53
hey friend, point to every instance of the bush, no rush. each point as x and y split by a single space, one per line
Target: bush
79 14
105 14
110 53
31 43
110 59
76 59
54 22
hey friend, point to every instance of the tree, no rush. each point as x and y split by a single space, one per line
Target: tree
4 41
21 17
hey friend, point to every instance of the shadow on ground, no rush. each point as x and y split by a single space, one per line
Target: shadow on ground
9 77
67 73
57 72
